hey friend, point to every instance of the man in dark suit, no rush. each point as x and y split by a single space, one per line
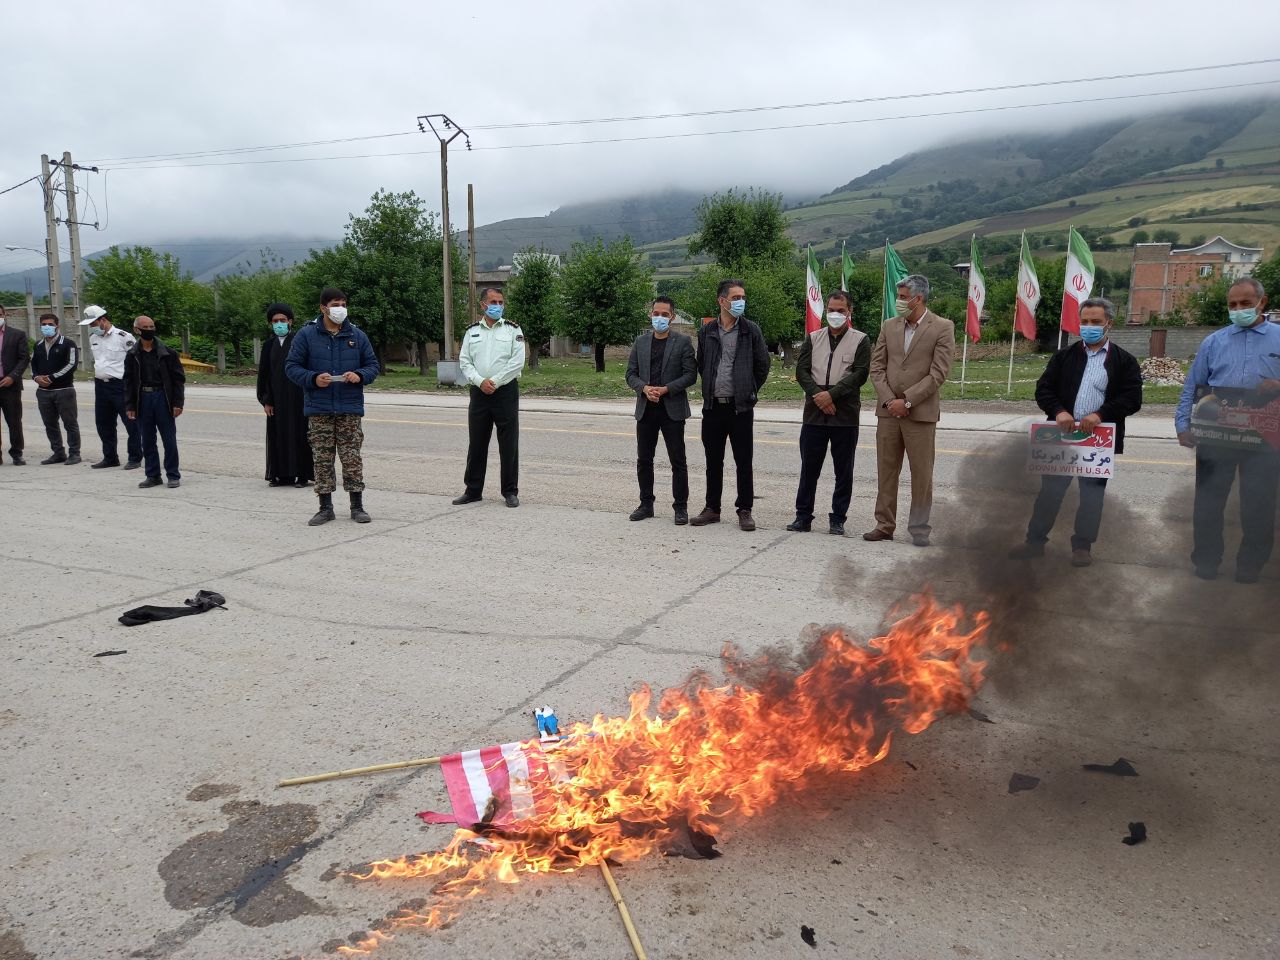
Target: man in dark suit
660 370
14 357
733 361
1088 383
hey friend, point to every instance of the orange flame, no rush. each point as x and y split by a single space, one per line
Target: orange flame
712 755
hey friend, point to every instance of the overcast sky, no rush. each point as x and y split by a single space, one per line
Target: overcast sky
130 79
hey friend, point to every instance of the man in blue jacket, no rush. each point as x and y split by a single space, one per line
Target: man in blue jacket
331 361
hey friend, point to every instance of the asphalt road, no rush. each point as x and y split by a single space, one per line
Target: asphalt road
139 815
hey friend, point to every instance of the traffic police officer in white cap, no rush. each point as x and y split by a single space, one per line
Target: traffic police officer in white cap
491 359
109 345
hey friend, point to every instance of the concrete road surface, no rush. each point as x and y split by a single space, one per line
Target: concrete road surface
138 804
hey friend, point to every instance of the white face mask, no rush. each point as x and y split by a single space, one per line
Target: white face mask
337 314
836 320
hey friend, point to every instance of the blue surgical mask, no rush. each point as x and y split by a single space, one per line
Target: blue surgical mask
1244 318
280 329
493 311
48 329
737 307
660 323
1092 335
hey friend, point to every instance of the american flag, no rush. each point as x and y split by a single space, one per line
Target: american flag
511 777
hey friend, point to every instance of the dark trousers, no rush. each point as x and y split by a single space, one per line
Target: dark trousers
656 420
720 423
501 409
155 415
108 406
814 440
1049 501
11 406
60 406
1216 469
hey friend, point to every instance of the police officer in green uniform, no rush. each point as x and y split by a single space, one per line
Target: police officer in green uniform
491 359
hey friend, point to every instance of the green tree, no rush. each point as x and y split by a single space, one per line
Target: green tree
241 300
1166 235
775 297
1000 303
737 228
533 297
603 291
12 298
1207 307
136 281
1268 274
1140 236
390 264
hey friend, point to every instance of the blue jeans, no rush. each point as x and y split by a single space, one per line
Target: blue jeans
154 413
109 406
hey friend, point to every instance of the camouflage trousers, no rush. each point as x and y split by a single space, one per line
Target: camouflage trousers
339 433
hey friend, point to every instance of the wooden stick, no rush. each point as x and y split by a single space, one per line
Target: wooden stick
358 771
623 912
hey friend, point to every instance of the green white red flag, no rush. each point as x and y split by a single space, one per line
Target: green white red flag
977 293
1024 316
813 295
1078 283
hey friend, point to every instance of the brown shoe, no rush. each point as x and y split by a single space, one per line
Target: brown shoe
706 516
746 521
1081 558
876 534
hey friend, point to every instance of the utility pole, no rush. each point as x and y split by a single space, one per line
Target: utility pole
471 248
446 124
51 239
73 233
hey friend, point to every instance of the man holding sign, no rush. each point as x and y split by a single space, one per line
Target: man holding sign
1084 385
1230 414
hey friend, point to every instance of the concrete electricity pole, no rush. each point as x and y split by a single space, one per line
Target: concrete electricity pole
471 254
51 238
425 121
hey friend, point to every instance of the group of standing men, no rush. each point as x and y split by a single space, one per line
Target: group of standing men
136 380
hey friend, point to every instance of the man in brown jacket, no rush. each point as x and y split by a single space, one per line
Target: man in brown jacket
909 364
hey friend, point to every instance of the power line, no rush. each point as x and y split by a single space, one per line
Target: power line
881 99
713 133
22 184
229 151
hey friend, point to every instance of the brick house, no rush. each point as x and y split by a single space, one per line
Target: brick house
1163 278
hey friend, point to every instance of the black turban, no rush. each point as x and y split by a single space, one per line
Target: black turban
280 308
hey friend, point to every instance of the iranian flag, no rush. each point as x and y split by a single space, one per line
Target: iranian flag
813 295
977 293
1078 283
1024 317
846 270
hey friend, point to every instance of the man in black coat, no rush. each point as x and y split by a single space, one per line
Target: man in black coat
154 391
733 361
1088 383
661 369
288 449
15 354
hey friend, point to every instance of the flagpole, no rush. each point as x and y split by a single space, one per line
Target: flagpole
1064 292
964 362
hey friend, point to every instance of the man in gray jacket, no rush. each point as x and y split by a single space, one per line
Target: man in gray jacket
660 370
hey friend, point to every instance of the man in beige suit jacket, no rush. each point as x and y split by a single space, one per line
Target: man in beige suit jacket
909 364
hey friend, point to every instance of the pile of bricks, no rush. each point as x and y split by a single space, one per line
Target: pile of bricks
1165 371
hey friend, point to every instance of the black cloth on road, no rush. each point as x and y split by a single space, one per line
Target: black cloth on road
203 601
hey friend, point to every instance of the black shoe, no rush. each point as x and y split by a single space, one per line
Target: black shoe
300 484
325 513
467 498
1246 576
72 460
18 462
150 482
275 483
919 540
357 509
1081 557
55 458
511 500
130 465
173 483
682 516
1207 573
642 512
104 464
799 526
836 528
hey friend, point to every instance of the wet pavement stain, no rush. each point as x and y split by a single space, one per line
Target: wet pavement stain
211 791
12 948
245 864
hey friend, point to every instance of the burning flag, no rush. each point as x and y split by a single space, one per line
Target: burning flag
709 758
496 785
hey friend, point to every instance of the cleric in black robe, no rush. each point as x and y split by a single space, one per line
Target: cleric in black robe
288 450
